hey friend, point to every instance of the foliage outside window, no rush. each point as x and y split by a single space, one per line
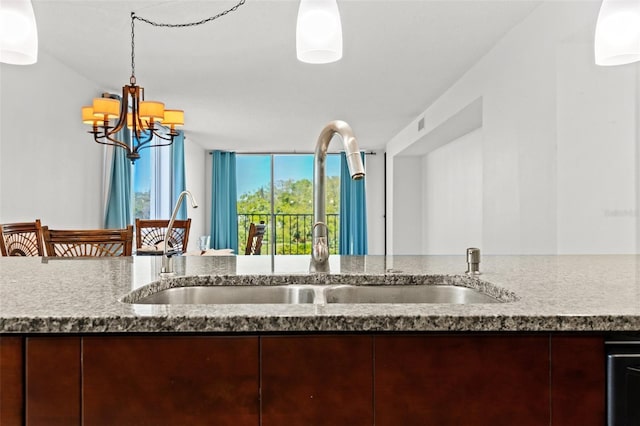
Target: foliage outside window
292 212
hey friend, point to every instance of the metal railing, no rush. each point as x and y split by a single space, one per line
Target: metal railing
292 232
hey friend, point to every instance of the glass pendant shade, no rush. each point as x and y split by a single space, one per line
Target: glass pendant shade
617 38
318 32
18 33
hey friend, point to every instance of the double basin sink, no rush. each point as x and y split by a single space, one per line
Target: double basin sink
316 294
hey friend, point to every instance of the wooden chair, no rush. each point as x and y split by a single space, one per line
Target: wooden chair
254 238
152 232
22 239
88 243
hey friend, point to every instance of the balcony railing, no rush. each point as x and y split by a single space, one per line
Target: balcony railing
292 232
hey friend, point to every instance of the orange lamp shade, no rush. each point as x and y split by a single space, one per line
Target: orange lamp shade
173 117
105 107
88 117
151 110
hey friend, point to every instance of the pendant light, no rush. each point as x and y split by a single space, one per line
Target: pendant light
18 33
318 32
617 39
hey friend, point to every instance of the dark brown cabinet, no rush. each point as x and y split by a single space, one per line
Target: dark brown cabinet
11 380
53 381
460 380
170 380
578 376
338 379
317 380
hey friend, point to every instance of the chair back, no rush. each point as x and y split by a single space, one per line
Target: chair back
151 232
88 243
254 238
21 239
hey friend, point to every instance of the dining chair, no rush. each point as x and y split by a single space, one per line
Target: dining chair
254 238
22 239
88 242
150 232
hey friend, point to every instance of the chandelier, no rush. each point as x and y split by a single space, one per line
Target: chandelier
107 115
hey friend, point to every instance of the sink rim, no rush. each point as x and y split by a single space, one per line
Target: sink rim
500 294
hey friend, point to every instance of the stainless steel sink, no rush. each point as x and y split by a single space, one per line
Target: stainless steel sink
406 294
231 295
314 294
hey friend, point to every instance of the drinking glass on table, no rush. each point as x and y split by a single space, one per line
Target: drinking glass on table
203 243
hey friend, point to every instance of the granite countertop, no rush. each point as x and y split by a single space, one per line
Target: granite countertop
539 293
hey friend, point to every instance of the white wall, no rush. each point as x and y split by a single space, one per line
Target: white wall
452 194
49 166
596 155
408 206
549 121
374 188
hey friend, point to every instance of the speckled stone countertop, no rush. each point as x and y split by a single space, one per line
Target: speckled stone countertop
539 293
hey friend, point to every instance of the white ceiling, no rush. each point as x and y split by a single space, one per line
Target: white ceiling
238 79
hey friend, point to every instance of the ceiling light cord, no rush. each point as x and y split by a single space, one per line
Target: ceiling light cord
161 24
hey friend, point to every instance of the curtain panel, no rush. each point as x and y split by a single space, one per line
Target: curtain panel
178 183
224 211
119 205
353 212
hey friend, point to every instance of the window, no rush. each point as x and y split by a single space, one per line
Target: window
152 185
278 189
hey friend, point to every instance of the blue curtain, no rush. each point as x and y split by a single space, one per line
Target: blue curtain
177 165
118 214
224 210
353 212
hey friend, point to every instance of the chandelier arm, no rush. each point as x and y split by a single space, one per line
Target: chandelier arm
166 138
153 133
155 145
111 141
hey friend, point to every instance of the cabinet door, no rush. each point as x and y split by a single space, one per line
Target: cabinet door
53 381
172 380
462 380
11 382
317 380
578 380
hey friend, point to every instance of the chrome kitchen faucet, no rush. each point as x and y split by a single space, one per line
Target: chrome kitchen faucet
167 262
320 248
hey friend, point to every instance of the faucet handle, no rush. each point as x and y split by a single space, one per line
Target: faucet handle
320 246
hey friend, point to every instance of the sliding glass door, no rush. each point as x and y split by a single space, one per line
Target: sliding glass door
278 189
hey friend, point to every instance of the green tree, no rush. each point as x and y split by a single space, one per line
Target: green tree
142 205
293 208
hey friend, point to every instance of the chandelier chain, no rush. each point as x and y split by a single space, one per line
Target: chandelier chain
190 24
133 50
160 24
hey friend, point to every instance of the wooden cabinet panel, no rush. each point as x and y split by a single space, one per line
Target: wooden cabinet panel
11 381
172 380
53 381
317 380
578 381
462 380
